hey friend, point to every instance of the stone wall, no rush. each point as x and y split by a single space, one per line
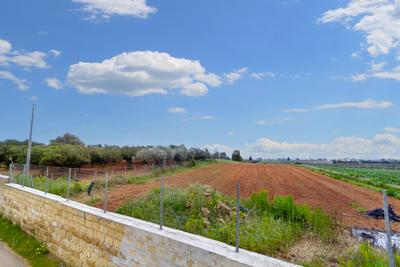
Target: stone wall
85 236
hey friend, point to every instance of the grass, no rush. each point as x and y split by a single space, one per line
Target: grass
26 246
269 227
367 256
371 178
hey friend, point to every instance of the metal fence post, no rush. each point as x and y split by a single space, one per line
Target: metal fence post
75 175
162 203
32 183
47 171
388 229
237 216
105 203
47 185
10 179
68 183
51 178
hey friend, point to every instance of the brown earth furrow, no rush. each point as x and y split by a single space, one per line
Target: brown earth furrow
336 197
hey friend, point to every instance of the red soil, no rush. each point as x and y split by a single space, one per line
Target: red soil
336 197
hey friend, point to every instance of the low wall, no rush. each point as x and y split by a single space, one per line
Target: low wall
85 236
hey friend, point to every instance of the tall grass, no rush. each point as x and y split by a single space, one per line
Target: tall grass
269 227
367 256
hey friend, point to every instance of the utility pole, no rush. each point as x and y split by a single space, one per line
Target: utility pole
28 153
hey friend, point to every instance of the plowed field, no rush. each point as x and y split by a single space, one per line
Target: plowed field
338 198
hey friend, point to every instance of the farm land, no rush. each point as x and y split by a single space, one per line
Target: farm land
299 213
370 177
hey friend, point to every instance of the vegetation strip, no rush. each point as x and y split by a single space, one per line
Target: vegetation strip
373 179
26 246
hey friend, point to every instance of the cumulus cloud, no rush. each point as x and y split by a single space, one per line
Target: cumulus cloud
365 104
382 145
54 83
36 59
20 83
379 20
104 10
176 110
231 133
235 75
141 73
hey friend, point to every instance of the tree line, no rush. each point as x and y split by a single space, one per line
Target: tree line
69 151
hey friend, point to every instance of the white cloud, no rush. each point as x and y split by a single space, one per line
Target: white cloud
296 110
54 83
55 53
274 121
377 66
233 76
176 110
231 133
104 10
379 20
5 46
20 83
393 74
365 104
391 130
219 148
21 58
140 73
261 75
379 146
34 59
203 117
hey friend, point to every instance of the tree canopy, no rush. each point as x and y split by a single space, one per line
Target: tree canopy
69 151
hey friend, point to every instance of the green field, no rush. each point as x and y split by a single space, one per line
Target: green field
373 178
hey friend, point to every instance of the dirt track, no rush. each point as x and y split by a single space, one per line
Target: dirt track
336 197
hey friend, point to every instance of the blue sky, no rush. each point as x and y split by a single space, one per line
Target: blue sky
272 78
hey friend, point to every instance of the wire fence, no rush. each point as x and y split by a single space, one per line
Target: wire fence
92 186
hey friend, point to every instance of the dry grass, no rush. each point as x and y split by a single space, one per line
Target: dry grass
319 253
